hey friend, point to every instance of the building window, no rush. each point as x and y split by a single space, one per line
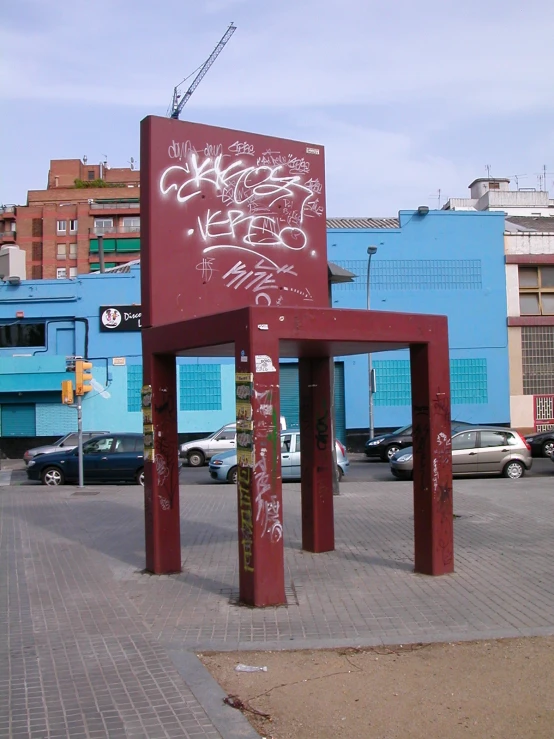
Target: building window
131 225
90 174
61 273
61 227
22 335
36 272
61 251
537 353
134 384
199 387
103 225
536 291
73 226
468 382
37 252
494 186
37 228
73 251
73 272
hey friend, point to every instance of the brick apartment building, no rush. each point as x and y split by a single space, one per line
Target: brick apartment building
59 226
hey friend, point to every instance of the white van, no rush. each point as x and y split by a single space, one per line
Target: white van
197 452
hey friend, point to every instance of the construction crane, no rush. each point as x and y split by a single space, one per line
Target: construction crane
179 102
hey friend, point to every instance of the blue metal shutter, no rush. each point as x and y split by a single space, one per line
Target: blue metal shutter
290 399
340 406
18 420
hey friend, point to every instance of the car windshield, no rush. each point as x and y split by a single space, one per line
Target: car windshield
404 430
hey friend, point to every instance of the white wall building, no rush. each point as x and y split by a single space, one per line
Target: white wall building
529 253
494 193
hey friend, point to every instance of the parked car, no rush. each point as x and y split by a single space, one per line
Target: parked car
69 441
197 452
542 444
108 458
223 467
385 446
481 450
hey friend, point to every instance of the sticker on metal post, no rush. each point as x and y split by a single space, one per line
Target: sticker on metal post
264 363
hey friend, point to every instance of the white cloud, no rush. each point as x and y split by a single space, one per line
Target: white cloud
295 54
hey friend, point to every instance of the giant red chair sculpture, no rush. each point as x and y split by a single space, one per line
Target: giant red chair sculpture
234 264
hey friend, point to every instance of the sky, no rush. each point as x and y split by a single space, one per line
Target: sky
411 100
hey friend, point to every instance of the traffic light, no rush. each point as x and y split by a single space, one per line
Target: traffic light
67 392
82 377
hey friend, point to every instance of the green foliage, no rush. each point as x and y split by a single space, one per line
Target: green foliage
80 184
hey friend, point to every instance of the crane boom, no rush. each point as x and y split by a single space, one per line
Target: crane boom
179 103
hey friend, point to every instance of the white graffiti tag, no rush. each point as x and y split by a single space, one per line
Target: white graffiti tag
162 470
205 266
268 508
253 182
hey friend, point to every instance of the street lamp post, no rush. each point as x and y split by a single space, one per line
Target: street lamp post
371 250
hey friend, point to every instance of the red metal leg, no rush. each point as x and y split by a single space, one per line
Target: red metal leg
318 532
260 508
433 503
161 466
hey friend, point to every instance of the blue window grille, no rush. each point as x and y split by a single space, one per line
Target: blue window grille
413 274
393 382
200 387
468 382
134 385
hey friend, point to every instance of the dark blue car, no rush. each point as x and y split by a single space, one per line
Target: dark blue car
108 458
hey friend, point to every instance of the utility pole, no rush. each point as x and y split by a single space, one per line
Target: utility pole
82 377
80 438
371 250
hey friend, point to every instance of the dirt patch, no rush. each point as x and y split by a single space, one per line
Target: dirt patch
489 689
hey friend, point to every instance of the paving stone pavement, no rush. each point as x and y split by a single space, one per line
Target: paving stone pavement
92 647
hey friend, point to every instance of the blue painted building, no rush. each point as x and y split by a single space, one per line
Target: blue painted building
446 262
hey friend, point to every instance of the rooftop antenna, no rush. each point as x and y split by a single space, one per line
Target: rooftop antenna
85 159
179 102
438 196
132 163
488 168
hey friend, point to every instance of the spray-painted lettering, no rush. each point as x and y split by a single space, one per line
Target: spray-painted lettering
246 523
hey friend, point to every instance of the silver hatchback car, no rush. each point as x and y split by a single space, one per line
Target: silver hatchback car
223 467
481 450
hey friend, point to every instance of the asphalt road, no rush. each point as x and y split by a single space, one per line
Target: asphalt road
361 470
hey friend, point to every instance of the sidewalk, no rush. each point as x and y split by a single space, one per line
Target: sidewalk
93 647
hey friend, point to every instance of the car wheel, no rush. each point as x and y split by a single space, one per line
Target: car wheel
196 458
232 475
52 476
140 477
548 448
340 474
391 450
514 470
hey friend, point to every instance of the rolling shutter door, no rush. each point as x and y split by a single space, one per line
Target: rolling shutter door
290 400
18 420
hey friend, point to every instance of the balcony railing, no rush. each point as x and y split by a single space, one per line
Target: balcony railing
113 206
8 236
101 230
7 210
